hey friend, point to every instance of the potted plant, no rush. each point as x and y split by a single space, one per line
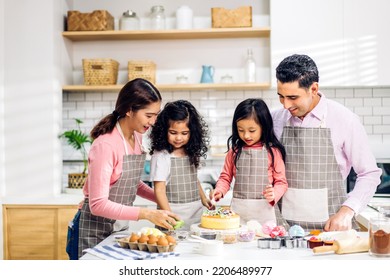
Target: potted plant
77 139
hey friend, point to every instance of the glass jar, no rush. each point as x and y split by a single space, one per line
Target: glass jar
157 18
129 21
379 232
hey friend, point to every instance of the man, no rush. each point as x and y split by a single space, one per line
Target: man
323 140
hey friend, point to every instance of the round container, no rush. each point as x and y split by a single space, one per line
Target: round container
228 237
291 243
379 231
129 21
157 18
246 236
275 243
210 235
227 79
184 18
302 243
263 243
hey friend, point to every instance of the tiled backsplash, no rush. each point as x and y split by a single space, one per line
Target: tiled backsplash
372 104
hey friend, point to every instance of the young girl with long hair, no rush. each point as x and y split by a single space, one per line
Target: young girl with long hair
255 161
179 139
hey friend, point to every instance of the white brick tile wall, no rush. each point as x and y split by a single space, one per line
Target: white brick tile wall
353 102
372 102
381 92
347 93
372 105
372 120
363 92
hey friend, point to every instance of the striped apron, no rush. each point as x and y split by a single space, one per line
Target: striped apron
316 187
183 193
251 179
94 229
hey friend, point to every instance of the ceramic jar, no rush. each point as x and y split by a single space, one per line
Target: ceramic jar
184 18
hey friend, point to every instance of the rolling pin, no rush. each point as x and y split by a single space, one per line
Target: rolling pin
345 246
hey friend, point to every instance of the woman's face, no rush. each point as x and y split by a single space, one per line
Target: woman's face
249 131
143 119
178 134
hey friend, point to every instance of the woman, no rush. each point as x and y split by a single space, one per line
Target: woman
115 163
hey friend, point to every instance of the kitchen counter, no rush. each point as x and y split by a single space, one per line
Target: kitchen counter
248 251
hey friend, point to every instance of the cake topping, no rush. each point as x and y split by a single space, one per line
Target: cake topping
219 211
296 230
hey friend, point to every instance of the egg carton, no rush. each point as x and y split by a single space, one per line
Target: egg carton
151 248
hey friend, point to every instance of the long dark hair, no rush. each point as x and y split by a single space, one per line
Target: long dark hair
134 96
256 109
181 110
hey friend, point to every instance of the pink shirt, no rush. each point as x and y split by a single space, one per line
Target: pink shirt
276 175
105 161
350 143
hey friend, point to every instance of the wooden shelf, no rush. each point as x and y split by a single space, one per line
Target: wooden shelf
174 87
243 32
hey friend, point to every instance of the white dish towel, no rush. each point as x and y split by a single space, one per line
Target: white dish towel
115 252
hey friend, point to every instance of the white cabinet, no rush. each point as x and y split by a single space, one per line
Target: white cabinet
348 39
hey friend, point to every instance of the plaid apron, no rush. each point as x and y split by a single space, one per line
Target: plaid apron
251 179
94 229
183 193
316 188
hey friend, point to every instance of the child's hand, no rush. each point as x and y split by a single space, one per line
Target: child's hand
215 195
268 193
208 204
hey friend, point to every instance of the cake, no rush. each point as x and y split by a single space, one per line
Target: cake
220 218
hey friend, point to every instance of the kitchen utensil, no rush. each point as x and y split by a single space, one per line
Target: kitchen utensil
275 243
345 246
207 74
263 243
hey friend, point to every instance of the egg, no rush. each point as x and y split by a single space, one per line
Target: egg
171 239
143 239
152 239
134 237
162 241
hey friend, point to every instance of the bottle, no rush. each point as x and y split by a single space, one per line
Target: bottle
157 18
250 68
129 21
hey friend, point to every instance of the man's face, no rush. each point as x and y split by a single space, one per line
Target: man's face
299 101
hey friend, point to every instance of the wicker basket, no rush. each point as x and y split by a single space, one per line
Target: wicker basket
100 71
145 69
76 180
240 17
98 20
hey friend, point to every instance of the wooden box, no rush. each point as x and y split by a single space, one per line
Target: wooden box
144 69
240 17
98 20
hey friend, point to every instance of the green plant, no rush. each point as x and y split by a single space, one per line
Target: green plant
77 139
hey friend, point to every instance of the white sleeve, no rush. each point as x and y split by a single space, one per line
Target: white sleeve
160 166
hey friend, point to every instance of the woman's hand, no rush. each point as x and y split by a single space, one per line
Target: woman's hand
269 193
162 218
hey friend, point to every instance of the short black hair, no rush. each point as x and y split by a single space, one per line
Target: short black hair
297 67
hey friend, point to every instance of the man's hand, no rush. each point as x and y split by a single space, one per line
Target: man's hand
340 221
